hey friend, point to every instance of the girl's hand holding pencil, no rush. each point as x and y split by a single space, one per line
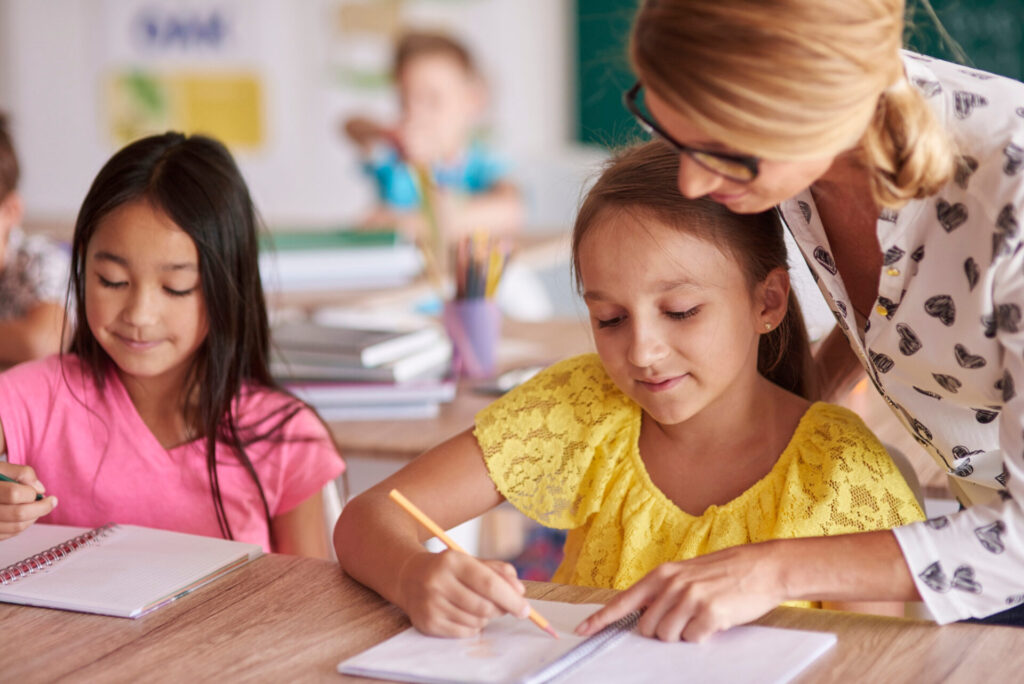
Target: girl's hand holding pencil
454 594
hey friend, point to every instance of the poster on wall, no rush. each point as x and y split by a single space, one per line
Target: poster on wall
192 66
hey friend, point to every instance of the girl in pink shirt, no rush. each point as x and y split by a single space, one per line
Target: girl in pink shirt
164 413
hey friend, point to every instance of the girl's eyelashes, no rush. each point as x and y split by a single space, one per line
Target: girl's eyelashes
112 283
680 315
118 284
674 315
609 322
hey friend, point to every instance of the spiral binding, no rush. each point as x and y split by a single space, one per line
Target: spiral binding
570 660
44 559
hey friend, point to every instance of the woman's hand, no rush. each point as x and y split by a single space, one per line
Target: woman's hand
693 599
18 505
452 594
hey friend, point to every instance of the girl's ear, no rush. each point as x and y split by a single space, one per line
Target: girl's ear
772 298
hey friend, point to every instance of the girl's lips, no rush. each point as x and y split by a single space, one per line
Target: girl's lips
137 345
662 385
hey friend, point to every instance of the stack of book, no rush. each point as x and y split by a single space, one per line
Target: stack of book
309 260
349 373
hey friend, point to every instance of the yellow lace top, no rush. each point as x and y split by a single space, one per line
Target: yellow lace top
563 449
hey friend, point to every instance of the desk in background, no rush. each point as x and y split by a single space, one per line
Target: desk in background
283 618
522 344
374 450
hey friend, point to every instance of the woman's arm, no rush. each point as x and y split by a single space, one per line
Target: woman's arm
301 531
379 544
837 366
693 599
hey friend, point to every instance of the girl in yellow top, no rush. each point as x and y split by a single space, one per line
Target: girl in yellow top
690 432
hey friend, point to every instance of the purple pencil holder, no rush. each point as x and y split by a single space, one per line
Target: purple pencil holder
474 326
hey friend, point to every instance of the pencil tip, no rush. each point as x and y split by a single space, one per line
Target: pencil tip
551 631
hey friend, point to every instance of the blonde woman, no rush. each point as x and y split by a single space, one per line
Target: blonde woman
901 177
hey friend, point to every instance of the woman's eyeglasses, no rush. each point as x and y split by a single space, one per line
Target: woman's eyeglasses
735 167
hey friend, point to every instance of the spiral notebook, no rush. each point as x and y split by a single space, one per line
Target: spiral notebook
119 570
511 651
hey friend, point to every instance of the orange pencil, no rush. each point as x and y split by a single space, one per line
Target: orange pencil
420 516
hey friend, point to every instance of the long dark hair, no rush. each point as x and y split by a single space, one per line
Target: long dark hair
643 179
195 182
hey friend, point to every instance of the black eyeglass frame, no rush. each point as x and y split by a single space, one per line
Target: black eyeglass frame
651 126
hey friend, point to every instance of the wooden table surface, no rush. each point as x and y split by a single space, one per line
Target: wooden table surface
283 618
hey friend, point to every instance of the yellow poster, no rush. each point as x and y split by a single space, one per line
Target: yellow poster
226 105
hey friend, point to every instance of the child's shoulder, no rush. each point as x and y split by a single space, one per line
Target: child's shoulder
268 406
828 432
42 384
574 392
570 376
46 369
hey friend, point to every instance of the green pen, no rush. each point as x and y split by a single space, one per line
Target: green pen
39 497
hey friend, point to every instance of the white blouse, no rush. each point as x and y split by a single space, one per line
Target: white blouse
944 344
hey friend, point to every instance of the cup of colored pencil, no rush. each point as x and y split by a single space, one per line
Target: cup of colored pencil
472 318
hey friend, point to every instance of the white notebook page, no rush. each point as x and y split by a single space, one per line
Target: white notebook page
127 570
35 539
508 650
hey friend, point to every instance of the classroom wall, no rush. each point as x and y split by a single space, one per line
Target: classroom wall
58 56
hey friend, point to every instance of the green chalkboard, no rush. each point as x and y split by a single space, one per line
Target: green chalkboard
990 32
602 71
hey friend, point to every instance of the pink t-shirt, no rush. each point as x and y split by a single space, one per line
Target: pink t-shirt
92 450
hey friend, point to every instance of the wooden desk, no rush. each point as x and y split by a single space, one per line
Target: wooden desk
283 618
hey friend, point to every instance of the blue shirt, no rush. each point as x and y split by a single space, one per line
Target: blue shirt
476 172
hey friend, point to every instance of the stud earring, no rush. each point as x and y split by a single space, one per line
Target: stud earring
767 326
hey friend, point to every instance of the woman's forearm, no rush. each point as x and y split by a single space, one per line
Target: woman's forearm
851 567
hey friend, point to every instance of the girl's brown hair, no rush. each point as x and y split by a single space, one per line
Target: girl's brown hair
641 180
797 79
415 44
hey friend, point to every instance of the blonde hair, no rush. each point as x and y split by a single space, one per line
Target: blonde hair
790 80
641 180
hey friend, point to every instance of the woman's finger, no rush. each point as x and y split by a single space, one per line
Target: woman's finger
668 616
634 598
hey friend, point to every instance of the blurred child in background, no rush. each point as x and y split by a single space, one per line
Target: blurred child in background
33 273
442 99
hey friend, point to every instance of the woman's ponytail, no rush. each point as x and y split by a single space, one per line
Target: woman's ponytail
909 155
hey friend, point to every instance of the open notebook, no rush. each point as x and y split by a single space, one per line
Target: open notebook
511 651
119 570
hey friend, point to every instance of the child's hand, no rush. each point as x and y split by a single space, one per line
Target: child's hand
18 505
367 132
693 599
452 594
